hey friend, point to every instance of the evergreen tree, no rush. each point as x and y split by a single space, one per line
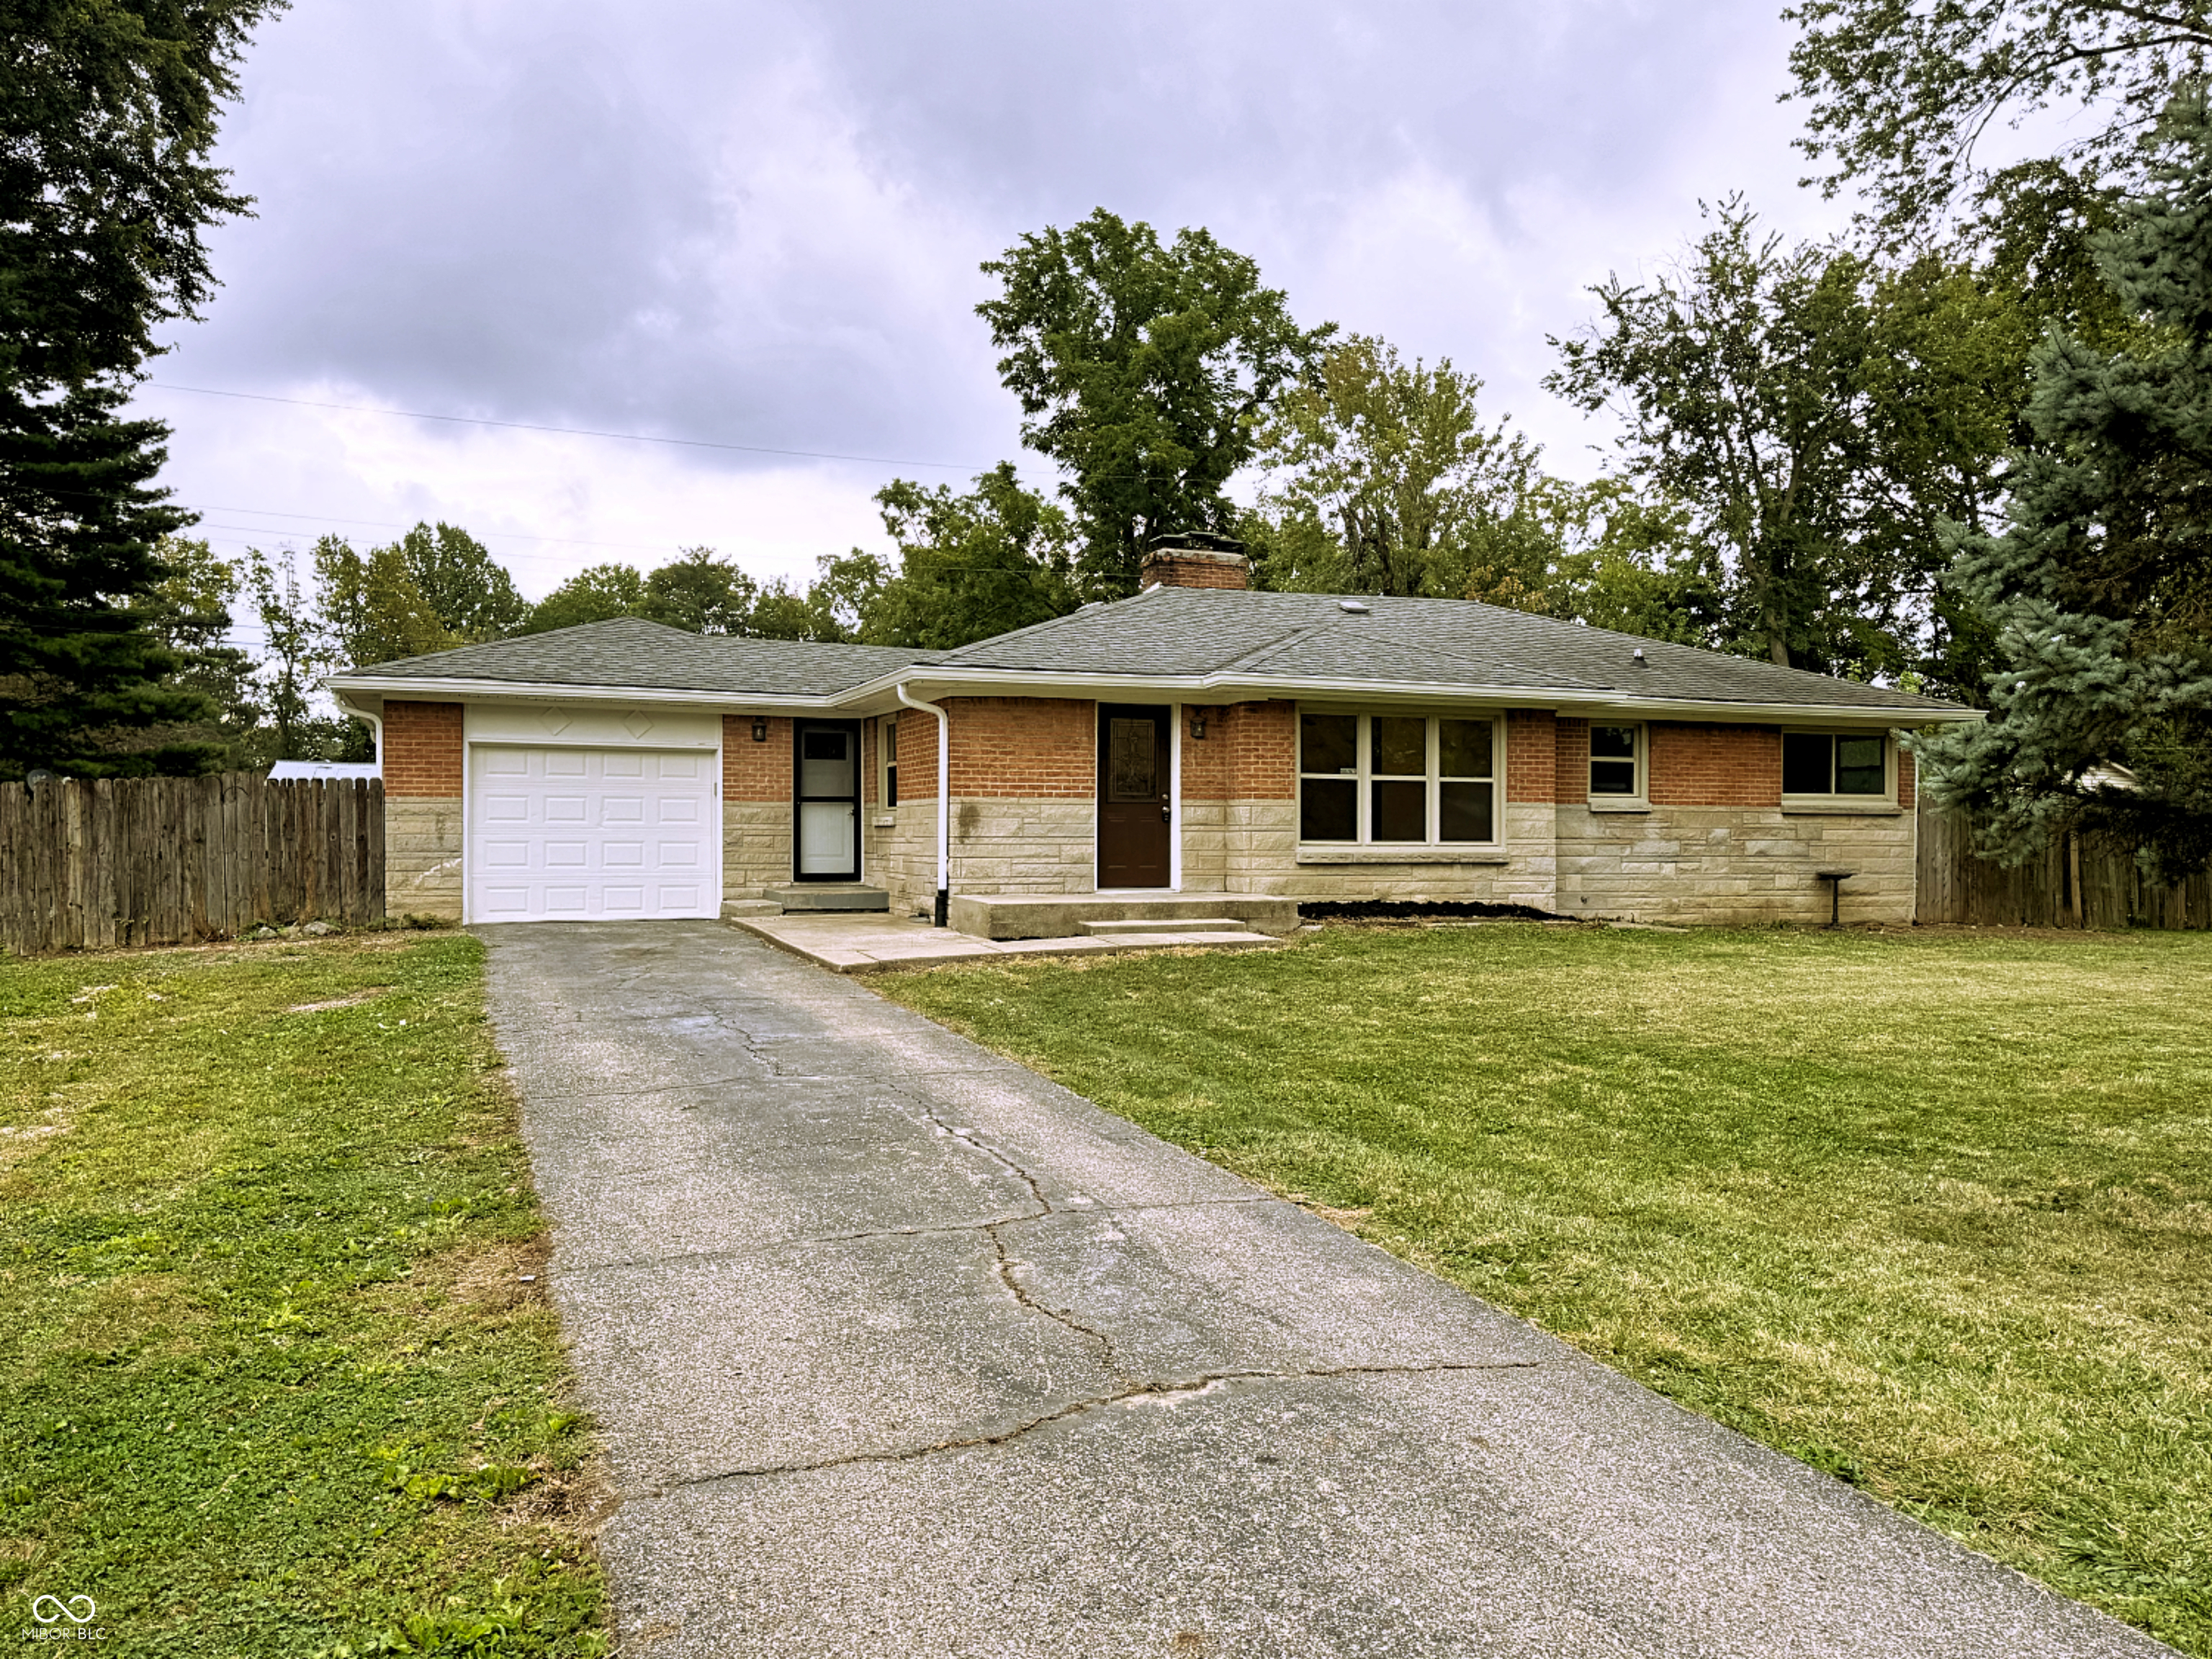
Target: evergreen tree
106 120
2101 591
82 664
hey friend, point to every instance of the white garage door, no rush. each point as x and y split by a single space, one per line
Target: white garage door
575 834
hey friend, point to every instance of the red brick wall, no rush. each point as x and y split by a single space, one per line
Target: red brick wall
1258 752
917 756
1908 781
1194 570
1570 762
422 749
1714 765
1205 760
756 771
1531 755
1017 749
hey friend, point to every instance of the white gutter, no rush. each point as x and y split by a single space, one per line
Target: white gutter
1598 702
454 690
1196 688
374 720
943 799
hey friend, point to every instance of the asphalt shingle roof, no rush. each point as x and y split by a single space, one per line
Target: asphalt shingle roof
1189 631
631 652
1182 633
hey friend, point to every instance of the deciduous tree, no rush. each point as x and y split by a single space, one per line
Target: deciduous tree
1143 370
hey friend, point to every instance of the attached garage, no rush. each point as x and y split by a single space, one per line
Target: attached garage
577 830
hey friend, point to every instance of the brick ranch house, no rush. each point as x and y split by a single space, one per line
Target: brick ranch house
1198 744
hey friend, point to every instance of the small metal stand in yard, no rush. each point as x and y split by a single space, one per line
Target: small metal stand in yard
1835 878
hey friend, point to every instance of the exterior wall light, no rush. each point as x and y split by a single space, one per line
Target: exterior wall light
1198 727
760 728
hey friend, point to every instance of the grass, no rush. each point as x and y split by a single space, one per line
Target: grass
1932 1213
271 1380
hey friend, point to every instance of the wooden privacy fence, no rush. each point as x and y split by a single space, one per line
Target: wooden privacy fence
2079 882
85 865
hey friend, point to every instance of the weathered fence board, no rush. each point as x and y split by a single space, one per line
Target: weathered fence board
86 865
2079 882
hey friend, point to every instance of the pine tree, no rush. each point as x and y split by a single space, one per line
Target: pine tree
2101 591
106 122
81 665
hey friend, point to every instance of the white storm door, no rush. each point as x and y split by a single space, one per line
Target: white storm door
588 835
828 800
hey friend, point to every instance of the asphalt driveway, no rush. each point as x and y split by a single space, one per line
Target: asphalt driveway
901 1350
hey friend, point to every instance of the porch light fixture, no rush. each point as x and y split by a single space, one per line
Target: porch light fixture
760 728
1197 726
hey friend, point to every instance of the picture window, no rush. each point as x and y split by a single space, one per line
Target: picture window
1835 764
1410 779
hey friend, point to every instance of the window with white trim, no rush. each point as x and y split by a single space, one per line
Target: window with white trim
1409 779
1616 762
887 758
1845 765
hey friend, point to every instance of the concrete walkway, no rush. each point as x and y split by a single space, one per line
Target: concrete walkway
902 1351
861 942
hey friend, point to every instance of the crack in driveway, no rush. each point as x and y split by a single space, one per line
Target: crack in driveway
1206 1382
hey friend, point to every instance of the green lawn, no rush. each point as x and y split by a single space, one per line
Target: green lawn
274 1382
1933 1213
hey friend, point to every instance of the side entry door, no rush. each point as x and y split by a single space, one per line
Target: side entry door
826 800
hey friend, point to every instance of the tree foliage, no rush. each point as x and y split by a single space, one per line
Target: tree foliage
107 118
1904 96
468 591
1814 416
2100 592
1145 371
371 607
986 562
1384 475
599 593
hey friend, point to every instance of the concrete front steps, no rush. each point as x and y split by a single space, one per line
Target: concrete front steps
1187 918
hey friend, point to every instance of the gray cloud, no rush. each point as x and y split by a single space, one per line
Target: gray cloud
760 222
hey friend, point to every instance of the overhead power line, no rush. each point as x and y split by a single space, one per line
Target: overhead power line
566 431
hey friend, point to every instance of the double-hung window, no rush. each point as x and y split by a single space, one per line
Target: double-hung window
887 751
1616 763
1413 780
1835 764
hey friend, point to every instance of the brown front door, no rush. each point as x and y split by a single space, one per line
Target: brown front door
1133 795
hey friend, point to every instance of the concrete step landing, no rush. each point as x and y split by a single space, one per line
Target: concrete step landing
1064 916
829 896
1210 925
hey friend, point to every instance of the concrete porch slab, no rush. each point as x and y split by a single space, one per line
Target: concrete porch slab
1061 915
851 942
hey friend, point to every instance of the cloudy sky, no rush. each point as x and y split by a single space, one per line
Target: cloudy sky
757 225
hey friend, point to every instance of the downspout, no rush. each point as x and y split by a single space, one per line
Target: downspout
944 799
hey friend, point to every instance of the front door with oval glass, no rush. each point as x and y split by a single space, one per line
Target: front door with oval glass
826 800
1133 812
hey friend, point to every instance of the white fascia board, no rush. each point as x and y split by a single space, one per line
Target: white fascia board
878 695
458 690
1196 688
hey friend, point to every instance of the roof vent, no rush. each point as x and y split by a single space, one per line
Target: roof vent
1640 663
1354 607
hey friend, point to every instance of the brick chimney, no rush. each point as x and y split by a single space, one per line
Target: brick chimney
1194 558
